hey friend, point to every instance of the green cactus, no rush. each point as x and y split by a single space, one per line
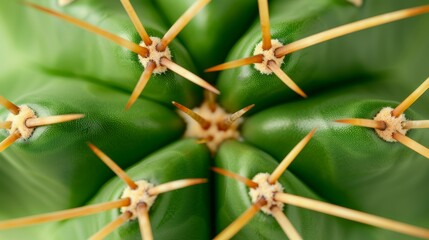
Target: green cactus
112 101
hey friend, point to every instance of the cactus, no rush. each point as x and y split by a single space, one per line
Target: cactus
307 132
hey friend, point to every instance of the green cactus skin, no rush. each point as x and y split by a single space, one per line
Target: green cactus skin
207 49
233 198
349 59
57 68
105 62
52 149
182 213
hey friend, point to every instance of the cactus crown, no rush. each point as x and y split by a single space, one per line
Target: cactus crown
213 125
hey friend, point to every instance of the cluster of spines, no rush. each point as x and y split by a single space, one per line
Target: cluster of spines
143 50
311 204
380 125
29 123
214 128
142 207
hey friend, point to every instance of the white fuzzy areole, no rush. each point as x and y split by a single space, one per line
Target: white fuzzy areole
155 55
138 195
63 3
217 136
393 124
266 191
269 55
19 121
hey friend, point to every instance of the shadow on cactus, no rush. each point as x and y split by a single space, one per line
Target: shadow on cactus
51 174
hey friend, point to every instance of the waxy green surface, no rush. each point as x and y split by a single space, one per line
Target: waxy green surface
58 68
180 214
224 18
344 164
59 47
341 61
58 154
